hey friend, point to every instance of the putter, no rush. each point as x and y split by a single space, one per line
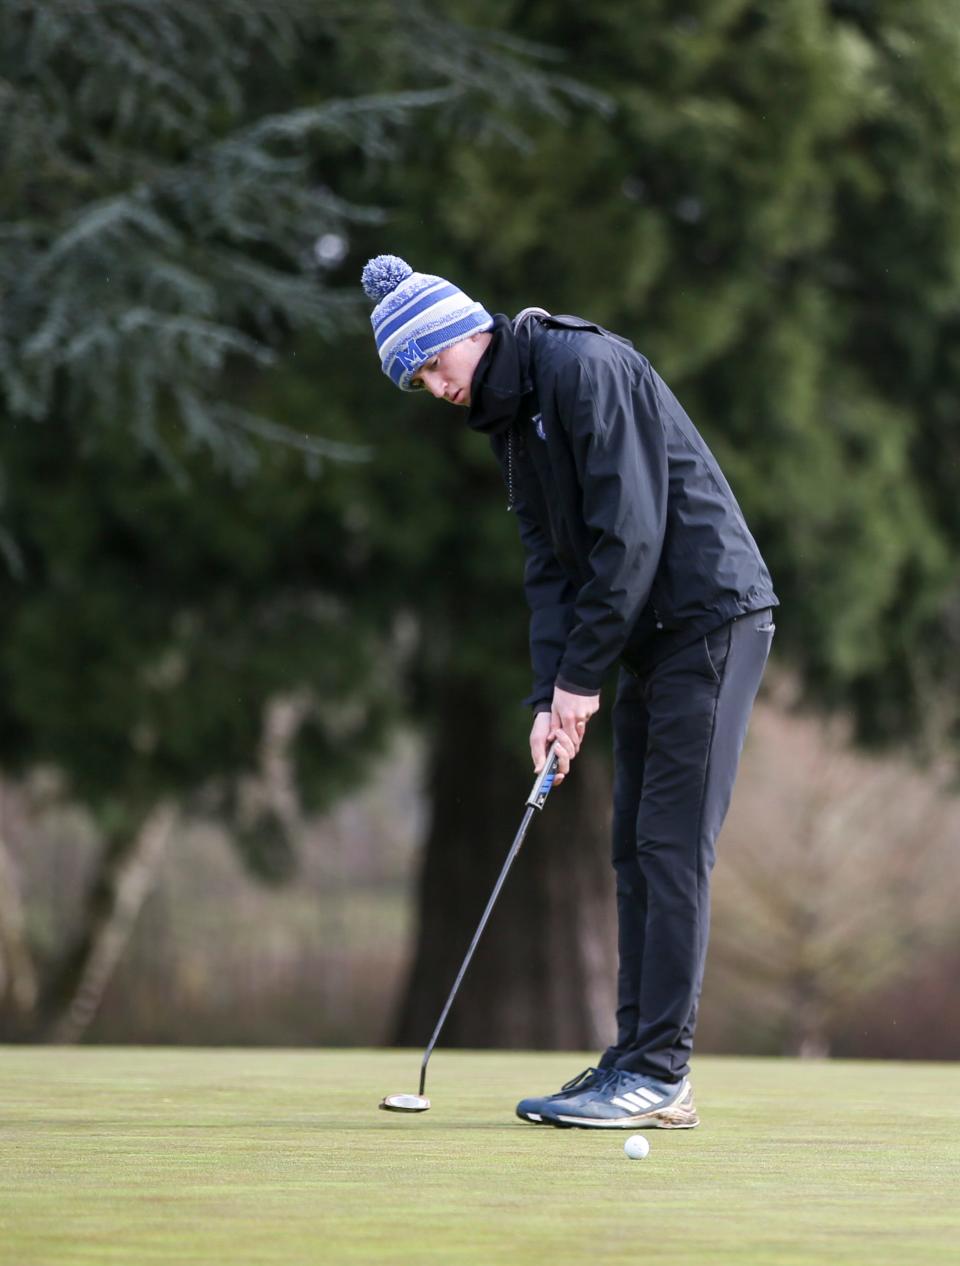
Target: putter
535 801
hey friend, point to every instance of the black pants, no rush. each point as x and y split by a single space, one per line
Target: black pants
678 734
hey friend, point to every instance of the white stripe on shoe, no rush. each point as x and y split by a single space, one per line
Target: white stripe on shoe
647 1097
634 1099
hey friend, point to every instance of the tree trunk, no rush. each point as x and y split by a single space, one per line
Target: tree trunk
127 873
807 1034
544 974
18 979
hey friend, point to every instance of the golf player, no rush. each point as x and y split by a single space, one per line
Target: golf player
637 555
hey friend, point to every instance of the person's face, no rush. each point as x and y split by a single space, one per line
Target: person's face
449 374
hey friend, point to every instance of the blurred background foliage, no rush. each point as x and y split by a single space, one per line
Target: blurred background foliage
237 565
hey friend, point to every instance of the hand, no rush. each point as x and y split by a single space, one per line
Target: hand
569 716
541 736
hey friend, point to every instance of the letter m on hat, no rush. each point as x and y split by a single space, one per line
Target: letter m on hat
411 356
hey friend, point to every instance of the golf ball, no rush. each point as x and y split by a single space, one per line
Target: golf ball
636 1147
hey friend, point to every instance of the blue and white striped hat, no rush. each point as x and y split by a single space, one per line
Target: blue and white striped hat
417 316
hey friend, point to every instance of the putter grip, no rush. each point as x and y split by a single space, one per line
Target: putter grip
541 788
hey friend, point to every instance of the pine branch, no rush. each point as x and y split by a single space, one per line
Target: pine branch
160 197
264 428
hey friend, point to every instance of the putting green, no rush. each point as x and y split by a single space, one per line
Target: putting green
232 1157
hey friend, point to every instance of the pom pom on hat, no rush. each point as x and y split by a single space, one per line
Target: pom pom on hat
383 274
417 316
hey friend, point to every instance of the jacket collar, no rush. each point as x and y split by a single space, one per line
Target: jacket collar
502 379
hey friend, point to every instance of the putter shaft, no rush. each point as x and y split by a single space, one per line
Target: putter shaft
535 802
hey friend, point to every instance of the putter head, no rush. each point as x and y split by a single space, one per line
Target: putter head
405 1103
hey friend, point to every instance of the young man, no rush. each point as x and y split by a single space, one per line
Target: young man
637 554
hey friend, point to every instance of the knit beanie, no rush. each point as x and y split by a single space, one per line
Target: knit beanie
417 316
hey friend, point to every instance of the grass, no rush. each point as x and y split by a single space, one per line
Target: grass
280 1158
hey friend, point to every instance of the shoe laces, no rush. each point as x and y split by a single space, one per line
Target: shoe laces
618 1079
590 1077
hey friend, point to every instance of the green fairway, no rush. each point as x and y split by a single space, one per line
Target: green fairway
147 1156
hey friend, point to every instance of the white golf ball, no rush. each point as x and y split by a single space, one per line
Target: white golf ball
636 1147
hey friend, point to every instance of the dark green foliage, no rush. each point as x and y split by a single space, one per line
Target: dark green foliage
154 621
156 213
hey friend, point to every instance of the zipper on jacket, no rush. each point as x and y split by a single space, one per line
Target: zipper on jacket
526 315
510 467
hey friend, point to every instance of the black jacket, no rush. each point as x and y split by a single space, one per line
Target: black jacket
635 544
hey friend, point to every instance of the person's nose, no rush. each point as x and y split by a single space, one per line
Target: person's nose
435 385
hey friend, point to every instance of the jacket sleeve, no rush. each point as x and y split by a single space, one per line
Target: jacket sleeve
550 597
612 419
